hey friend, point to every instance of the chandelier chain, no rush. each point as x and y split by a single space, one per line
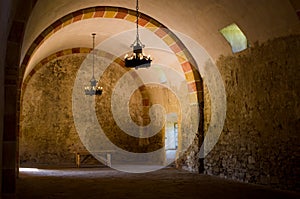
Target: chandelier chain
137 20
93 77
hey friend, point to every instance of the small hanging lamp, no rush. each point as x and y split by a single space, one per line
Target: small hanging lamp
93 89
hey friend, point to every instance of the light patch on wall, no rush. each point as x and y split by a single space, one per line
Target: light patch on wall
235 37
162 76
28 169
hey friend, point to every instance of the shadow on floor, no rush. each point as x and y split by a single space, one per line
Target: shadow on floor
92 183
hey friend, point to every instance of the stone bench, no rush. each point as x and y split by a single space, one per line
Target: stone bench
82 156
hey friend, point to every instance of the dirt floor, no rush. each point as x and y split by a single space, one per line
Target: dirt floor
90 183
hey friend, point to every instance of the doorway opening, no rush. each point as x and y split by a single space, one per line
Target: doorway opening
171 137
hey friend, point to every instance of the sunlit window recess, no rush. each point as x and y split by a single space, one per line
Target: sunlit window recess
235 37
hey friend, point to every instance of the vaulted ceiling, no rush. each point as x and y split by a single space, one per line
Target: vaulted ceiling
192 21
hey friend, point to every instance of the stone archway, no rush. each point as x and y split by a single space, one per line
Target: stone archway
168 37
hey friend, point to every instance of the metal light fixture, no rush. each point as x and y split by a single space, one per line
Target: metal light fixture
93 89
138 59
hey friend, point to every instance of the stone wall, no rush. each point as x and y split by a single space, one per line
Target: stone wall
49 135
260 140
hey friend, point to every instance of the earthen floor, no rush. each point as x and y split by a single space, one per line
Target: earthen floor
92 183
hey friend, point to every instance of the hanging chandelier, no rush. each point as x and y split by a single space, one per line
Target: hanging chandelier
138 59
93 89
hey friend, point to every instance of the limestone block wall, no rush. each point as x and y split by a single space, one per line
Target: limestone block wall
260 140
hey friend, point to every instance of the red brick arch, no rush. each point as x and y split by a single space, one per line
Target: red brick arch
194 81
185 59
